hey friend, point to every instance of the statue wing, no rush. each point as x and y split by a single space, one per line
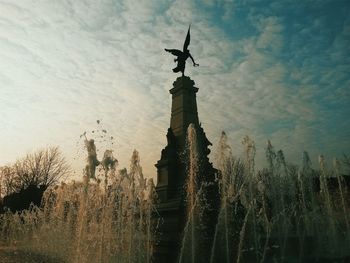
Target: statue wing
188 39
174 52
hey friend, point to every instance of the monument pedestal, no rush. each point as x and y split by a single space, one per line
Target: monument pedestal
171 171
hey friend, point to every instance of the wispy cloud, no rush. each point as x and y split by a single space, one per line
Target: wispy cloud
263 71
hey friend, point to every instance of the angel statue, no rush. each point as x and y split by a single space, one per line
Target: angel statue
182 56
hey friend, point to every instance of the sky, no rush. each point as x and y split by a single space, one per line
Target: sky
275 70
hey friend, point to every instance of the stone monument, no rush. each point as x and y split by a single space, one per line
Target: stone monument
172 171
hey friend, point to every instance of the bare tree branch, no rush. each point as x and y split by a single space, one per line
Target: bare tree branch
44 167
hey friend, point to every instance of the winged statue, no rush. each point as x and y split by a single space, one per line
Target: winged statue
182 56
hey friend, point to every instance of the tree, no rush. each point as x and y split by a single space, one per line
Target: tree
44 168
7 180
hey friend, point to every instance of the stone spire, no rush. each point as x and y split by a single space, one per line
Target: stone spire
171 168
184 106
171 171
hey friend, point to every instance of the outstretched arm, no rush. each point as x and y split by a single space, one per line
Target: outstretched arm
194 63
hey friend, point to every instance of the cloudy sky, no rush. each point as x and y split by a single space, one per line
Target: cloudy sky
277 70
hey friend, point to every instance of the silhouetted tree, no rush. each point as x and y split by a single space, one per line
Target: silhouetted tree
7 180
22 200
43 168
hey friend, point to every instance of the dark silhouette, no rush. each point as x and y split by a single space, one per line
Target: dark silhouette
22 200
182 56
44 167
173 208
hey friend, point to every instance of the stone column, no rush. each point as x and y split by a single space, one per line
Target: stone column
171 169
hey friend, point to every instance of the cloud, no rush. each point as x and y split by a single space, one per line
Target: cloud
262 72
